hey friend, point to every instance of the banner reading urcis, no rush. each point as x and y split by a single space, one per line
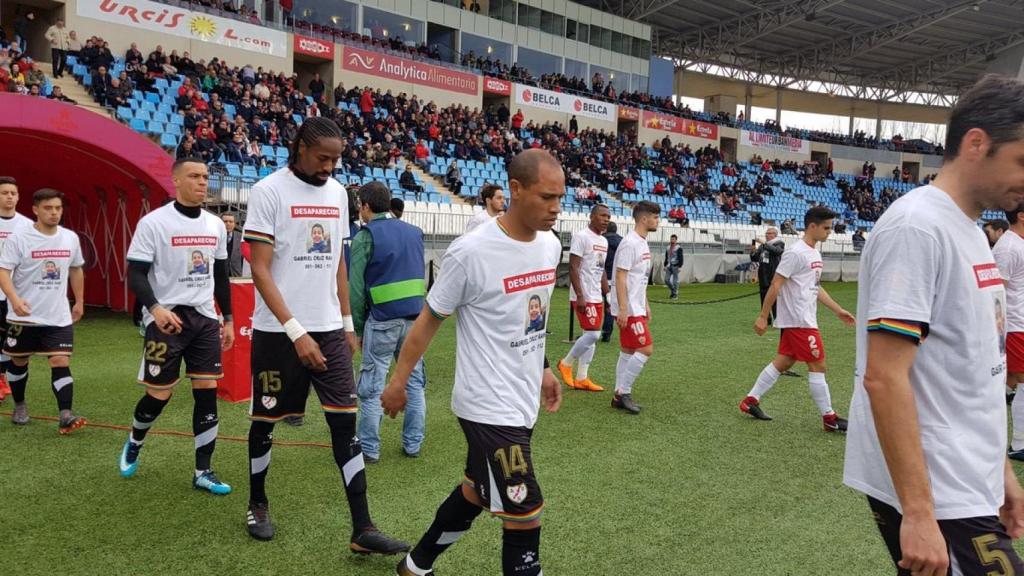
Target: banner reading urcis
187 24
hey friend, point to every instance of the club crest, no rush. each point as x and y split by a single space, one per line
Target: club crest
154 370
268 402
517 493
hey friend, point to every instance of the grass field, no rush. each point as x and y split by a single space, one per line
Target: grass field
691 486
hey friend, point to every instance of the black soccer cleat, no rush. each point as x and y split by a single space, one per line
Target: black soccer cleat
373 541
625 402
833 423
403 570
258 520
750 405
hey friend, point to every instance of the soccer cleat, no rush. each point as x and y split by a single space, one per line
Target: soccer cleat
833 423
70 422
208 481
566 372
294 420
1009 397
791 374
129 461
373 541
258 520
1016 455
625 402
588 385
20 415
4 388
403 570
751 406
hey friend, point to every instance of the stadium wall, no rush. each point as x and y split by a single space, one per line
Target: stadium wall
121 22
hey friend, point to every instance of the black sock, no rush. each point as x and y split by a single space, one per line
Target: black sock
348 452
63 386
204 425
520 552
146 412
452 520
17 379
261 436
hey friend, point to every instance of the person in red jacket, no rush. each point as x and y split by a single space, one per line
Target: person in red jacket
366 105
660 188
422 155
517 120
629 184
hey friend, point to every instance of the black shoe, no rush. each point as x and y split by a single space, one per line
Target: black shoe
791 374
294 420
370 459
1009 397
401 569
625 402
258 519
373 541
833 423
751 406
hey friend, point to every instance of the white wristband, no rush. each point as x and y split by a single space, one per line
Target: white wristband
349 325
293 329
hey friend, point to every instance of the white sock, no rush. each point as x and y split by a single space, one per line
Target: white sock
200 473
579 348
583 368
765 381
412 567
1017 411
633 367
819 391
620 371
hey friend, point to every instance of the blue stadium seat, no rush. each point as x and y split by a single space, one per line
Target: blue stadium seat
154 98
173 129
138 125
267 151
177 119
125 114
147 106
169 141
161 117
155 128
143 115
161 83
233 170
249 171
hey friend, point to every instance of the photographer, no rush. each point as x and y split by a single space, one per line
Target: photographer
767 255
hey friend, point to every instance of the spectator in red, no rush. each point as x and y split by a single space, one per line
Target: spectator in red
434 132
660 188
678 215
766 166
422 155
186 85
629 184
366 105
517 119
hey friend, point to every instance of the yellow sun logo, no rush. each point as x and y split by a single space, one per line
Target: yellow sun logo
203 27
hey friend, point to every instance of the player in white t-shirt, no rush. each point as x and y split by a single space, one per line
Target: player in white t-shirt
499 280
10 222
36 266
302 334
177 266
1009 256
927 439
588 286
493 199
629 304
797 287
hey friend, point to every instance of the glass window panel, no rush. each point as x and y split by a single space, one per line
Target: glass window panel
337 13
482 47
570 29
538 62
387 25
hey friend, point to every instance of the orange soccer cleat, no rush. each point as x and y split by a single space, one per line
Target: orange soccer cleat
566 372
4 388
588 385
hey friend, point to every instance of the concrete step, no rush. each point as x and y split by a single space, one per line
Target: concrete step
72 89
437 182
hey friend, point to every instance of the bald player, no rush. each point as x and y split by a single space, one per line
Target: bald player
587 252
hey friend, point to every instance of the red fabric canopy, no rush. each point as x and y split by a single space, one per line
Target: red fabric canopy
110 174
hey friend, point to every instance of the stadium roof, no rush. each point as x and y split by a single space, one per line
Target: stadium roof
876 49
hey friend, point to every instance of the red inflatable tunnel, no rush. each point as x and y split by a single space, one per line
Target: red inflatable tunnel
111 175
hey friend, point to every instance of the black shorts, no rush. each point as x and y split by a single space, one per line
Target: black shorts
198 343
24 340
977 545
499 468
3 319
280 383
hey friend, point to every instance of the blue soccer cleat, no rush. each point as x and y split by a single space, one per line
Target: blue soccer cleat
208 481
129 461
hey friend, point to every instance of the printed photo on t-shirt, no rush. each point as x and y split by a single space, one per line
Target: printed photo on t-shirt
50 270
536 313
319 240
1000 308
198 263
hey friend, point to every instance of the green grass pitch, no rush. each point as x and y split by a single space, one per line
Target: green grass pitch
691 486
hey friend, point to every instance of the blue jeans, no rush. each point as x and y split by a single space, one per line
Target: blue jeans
381 342
672 279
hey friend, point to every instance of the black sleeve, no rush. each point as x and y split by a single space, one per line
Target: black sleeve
546 364
138 282
222 288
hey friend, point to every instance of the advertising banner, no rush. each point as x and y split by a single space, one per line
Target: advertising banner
567 103
395 68
497 86
677 125
774 142
314 47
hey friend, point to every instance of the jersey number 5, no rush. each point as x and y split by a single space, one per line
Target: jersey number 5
989 556
271 381
512 461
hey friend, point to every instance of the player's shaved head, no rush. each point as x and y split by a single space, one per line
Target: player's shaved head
526 166
181 163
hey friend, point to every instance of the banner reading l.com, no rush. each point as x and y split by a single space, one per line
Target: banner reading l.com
184 23
394 68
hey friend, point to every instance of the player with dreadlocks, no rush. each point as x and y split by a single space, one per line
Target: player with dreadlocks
302 333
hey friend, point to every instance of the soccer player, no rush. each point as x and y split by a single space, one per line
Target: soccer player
500 370
797 287
629 304
179 315
927 441
38 314
1009 256
302 332
10 223
587 252
493 199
